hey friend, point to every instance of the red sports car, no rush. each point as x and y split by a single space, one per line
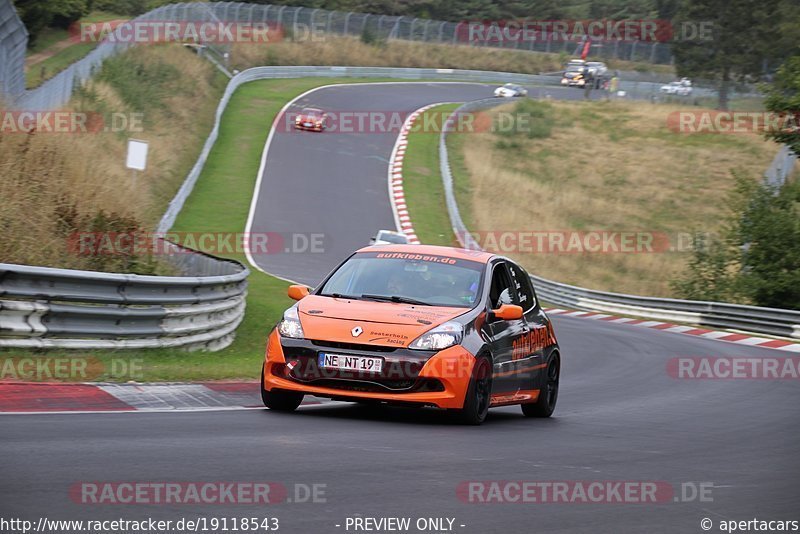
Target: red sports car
311 119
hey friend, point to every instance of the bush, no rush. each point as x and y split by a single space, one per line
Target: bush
530 118
756 259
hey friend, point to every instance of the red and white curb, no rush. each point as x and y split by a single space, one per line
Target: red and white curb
50 397
396 193
716 335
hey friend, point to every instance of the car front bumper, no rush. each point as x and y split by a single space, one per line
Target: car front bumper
439 379
313 127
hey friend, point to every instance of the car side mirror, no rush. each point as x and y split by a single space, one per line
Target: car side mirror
507 312
297 292
372 240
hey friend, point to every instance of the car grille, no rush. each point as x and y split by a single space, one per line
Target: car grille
382 386
353 346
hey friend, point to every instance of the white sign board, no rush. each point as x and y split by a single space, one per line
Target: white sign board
137 155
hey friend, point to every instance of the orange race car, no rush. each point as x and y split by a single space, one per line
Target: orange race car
416 325
311 119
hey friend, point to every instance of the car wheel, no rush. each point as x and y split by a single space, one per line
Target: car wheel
548 395
281 401
479 393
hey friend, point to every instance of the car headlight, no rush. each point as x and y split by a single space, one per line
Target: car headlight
438 338
290 324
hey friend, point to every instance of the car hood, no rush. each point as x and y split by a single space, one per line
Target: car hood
380 323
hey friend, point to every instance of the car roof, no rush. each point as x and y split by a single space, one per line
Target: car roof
433 250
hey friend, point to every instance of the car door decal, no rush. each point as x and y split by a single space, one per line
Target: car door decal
535 340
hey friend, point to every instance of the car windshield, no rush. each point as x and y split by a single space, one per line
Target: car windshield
510 86
391 237
407 277
574 68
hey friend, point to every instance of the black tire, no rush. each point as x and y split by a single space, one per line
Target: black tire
479 393
548 395
281 401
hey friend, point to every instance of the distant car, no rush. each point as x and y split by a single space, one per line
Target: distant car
510 90
598 69
578 71
681 87
574 76
388 237
311 119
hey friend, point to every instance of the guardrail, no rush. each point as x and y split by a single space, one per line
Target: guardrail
44 307
782 167
770 321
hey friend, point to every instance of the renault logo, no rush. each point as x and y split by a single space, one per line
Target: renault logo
356 331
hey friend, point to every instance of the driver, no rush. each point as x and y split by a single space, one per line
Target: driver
396 284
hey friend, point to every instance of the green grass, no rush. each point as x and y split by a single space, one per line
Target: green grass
461 183
44 70
422 183
47 38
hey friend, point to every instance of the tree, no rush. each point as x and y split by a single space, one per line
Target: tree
783 97
39 14
741 39
770 227
756 258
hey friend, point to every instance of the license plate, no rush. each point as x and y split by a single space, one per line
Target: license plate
350 363
307 124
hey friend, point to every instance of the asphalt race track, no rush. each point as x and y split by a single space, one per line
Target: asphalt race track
334 185
621 416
